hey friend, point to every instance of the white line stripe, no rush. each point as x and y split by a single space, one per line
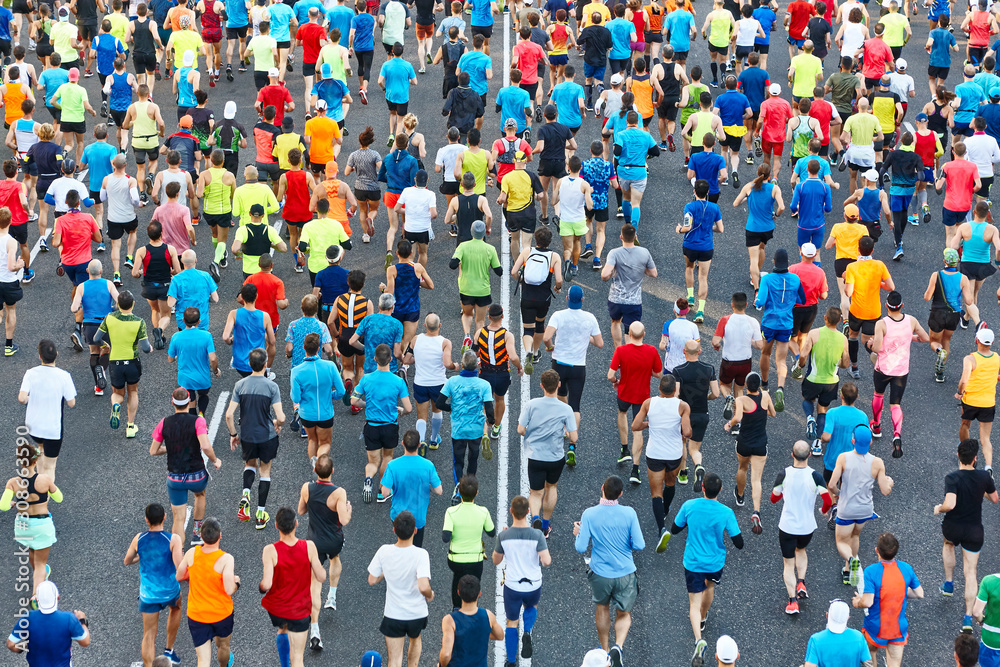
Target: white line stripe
34 252
187 519
220 412
277 230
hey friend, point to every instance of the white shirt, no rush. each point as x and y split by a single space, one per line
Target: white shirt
61 187
572 200
574 327
983 151
854 38
429 370
746 31
48 388
418 203
401 567
799 487
901 84
738 332
446 158
678 331
665 440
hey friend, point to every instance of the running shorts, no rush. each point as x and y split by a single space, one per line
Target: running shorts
127 371
966 535
981 415
617 593
541 473
943 320
394 629
699 424
791 543
263 452
734 371
824 393
697 582
803 318
381 436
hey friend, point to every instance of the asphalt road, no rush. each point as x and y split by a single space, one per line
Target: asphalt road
107 480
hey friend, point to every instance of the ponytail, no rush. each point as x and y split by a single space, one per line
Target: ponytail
763 173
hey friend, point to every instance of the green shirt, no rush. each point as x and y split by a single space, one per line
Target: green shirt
263 55
477 257
467 522
63 34
123 333
989 592
895 28
249 194
862 128
807 68
251 262
71 98
188 40
825 355
319 235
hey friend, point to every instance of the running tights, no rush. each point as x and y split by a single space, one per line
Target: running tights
99 359
852 350
459 445
899 220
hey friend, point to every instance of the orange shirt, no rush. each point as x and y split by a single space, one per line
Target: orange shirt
208 601
338 205
321 131
12 99
866 275
643 91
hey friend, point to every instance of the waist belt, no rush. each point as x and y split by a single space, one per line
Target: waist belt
123 362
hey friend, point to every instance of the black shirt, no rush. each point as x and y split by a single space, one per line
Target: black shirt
425 12
596 42
695 378
86 12
969 487
555 135
818 29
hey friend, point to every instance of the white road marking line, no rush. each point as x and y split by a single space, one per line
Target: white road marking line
187 519
277 230
213 427
34 252
82 175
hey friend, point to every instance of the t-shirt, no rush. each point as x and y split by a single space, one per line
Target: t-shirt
418 203
969 487
960 177
374 330
521 186
191 347
895 28
596 40
840 424
866 276
706 165
98 156
636 364
766 17
813 280
321 131
520 547
567 96
775 113
256 395
941 42
477 258
77 231
410 478
705 550
446 158
476 63
679 23
695 378
263 55
732 105
71 98
364 32
753 81
250 262
830 649
49 637
467 394
574 328
310 34
847 235
192 288
862 128
48 389
513 100
621 33
679 331
270 289
888 581
807 68
528 55
629 268
799 13
738 332
989 592
545 419
467 522
51 79
381 393
703 216
843 90
402 567
397 73
302 327
555 135
818 28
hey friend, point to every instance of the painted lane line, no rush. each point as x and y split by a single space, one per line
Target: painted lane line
213 427
34 252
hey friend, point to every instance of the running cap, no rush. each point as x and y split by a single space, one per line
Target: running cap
871 175
862 439
326 71
257 210
321 104
922 117
520 156
510 122
951 257
47 597
596 657
900 64
985 336
271 73
894 301
851 211
527 2
371 659
616 79
775 89
420 178
478 229
188 59
681 311
186 121
230 111
726 650
781 260
74 75
808 250
332 169
64 14
576 297
995 94
837 617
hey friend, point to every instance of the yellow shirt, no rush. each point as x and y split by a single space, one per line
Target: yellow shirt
119 25
599 7
866 275
847 235
184 41
981 389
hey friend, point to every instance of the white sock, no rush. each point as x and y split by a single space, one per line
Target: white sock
436 419
314 628
422 428
332 595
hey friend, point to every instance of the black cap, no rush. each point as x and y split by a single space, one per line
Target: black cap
781 260
256 209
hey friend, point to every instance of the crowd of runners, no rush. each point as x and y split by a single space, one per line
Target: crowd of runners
363 340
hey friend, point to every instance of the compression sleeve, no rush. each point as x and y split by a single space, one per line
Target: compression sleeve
144 345
8 495
737 541
490 414
497 270
676 530
454 263
56 494
442 403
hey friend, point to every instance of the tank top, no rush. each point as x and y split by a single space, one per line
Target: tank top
560 37
296 197
324 524
981 389
40 497
948 292
210 21
411 149
351 309
24 135
218 194
572 201
156 264
801 136
121 91
429 370
207 600
144 131
248 333
472 639
702 126
870 205
665 440
120 209
613 102
468 213
44 28
338 205
643 91
825 355
979 29
761 208
407 289
654 17
669 83
925 145
720 30
258 242
753 424
478 164
12 99
289 596
185 90
157 572
936 122
894 357
180 438
975 249
5 275
96 302
856 487
639 22
179 177
142 38
491 345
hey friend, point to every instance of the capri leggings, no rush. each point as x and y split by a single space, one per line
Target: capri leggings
571 381
896 384
365 64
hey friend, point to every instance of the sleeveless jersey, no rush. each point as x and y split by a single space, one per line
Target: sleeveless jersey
981 390
156 264
207 600
665 441
492 349
218 195
894 357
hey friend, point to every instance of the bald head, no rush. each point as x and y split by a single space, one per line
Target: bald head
636 331
970 71
808 46
432 322
800 451
692 349
119 162
863 104
94 268
188 259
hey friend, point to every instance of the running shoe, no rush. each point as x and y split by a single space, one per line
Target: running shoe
748 159
817 447
736 181
755 524
724 182
315 641
855 571
98 391
634 475
529 363
671 146
757 150
876 429
842 163
391 139
735 431
538 114
800 590
243 512
792 608
941 356
367 494
87 74
229 73
434 443
422 449
714 83
797 372
698 658
730 408
571 456
364 96
663 146
28 276
100 248
536 522
117 279
366 238
898 255
527 135
831 519
380 498
388 260
526 648
102 378
845 577
574 270
699 317
620 214
625 455
422 70
348 388
331 601
495 432
664 540
812 431
171 655
131 430
42 245
456 497
116 415
213 270
947 589
855 373
682 476
196 539
262 517
588 252
740 500
486 448
967 624
544 220
779 399
129 261
158 341
692 301
927 213
615 654
897 448
10 350
699 477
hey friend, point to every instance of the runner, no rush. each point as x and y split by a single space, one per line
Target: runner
751 444
975 238
408 481
570 200
702 219
193 349
863 279
960 178
192 287
46 391
464 525
466 633
345 317
905 165
539 272
470 401
519 189
837 641
497 351
125 334
764 204
632 367
977 392
315 385
432 357
737 335
775 113
779 292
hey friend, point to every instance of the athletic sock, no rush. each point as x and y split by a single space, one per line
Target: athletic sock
314 629
436 419
249 475
422 429
852 351
820 421
529 617
659 514
636 212
690 293
263 488
807 408
701 305
877 408
545 524
896 411
510 643
922 198
668 498
220 252
715 71
589 92
284 650
627 210
93 366
105 361
332 595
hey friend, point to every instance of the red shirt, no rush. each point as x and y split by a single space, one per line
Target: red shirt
10 196
77 231
297 195
775 113
876 55
799 13
637 364
310 34
270 289
528 56
960 177
822 111
813 281
289 595
504 168
276 96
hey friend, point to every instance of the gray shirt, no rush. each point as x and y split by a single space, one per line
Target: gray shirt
256 395
630 266
544 420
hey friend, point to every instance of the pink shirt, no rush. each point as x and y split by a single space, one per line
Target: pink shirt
894 357
775 113
877 54
960 183
200 428
813 281
528 56
174 218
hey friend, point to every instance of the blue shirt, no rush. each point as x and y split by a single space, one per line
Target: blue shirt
766 17
635 144
302 327
237 13
679 23
941 43
829 649
302 7
779 292
706 165
48 637
398 171
991 112
840 424
732 105
376 329
613 533
410 478
971 95
468 393
476 63
191 347
753 83
704 214
332 92
98 156
382 391
705 550
598 171
988 82
883 580
332 282
50 80
802 167
364 34
192 287
397 73
812 199
482 13
621 38
512 101
316 384
760 207
340 17
281 18
567 96
157 573
5 19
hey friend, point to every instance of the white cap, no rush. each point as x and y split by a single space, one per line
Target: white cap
321 104
273 72
726 650
596 657
808 250
985 336
229 112
617 79
837 617
47 596
775 89
900 64
188 59
871 175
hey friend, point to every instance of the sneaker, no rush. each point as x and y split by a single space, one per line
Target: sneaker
699 317
736 181
422 449
842 163
615 654
714 83
102 378
213 270
941 356
963 321
536 522
434 443
797 372
699 477
735 431
331 602
663 146
529 363
388 260
10 350
367 495
538 114
544 220
757 150
364 96
755 524
698 658
565 267
947 589
817 447
831 519
634 476
967 624
620 214
855 571
87 74
116 415
845 577
748 159
625 455
100 248
527 135
740 500
671 146
129 261
381 498
456 497
366 238
243 512
927 213
855 373
724 182
131 430
28 276
571 456
812 431
422 70
526 649
229 72
171 655
315 641
261 519
682 476
486 448
779 399
800 591
897 448
898 255
730 408
466 344
792 608
158 341
117 279
664 540
588 252
391 139
196 539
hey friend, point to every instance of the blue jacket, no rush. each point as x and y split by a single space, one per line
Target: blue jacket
316 384
812 200
778 294
398 171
